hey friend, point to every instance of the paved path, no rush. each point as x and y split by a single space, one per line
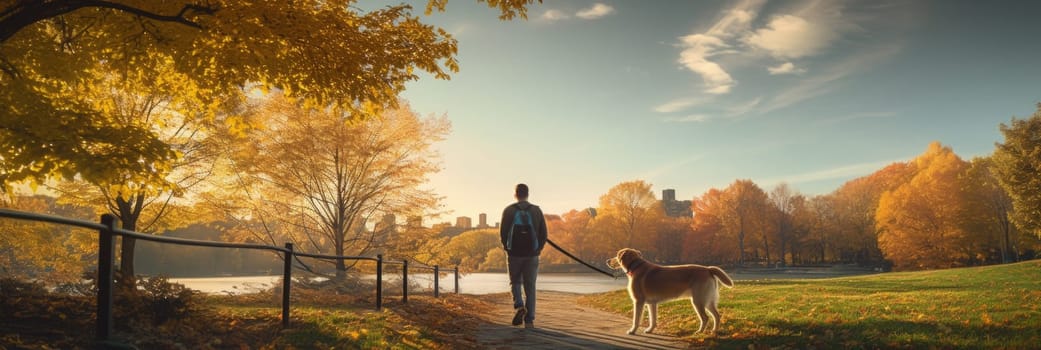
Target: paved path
563 324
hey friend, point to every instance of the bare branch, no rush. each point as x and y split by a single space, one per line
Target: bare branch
23 14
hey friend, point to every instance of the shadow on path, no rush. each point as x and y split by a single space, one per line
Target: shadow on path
563 324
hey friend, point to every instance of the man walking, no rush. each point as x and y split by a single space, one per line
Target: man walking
523 234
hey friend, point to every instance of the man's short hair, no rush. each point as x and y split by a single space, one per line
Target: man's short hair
522 191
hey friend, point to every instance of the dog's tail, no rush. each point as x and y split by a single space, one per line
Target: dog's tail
721 276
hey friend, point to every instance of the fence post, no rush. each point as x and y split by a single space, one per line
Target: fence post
379 281
456 279
105 250
404 281
437 275
287 281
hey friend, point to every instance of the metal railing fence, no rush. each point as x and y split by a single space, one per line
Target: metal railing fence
107 231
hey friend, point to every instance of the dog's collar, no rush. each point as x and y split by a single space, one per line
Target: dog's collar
629 270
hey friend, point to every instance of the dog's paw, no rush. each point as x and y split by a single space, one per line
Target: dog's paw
631 331
648 330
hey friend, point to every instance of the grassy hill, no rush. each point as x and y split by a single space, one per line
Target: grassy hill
988 307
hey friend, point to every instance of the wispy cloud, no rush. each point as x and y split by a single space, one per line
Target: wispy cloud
679 104
823 83
700 48
785 68
808 29
840 172
598 10
744 108
855 116
554 15
788 36
782 40
697 118
732 110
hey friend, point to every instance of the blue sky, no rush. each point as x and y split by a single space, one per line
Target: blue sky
692 95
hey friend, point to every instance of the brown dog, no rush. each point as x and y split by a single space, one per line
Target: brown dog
652 284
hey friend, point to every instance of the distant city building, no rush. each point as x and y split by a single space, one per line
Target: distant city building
359 225
482 220
415 221
386 229
447 230
464 222
387 224
673 207
389 220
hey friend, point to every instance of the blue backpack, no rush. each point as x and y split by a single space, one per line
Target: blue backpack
522 240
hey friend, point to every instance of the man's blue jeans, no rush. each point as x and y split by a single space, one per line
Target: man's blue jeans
523 271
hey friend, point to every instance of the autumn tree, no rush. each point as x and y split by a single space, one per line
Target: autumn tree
922 222
672 231
575 232
43 251
409 239
855 204
707 242
1017 164
604 237
990 209
799 240
784 198
560 235
319 176
744 215
329 53
156 100
630 212
821 224
469 250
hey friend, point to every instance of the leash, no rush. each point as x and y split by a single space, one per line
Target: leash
579 260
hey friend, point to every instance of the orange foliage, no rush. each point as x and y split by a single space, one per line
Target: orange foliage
921 222
855 204
705 242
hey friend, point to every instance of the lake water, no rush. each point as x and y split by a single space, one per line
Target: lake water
474 283
488 283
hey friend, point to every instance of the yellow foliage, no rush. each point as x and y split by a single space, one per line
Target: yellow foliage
628 216
921 222
327 172
323 52
47 252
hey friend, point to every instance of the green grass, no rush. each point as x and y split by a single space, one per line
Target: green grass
988 307
424 323
31 317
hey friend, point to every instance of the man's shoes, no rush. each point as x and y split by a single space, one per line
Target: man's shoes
529 325
518 317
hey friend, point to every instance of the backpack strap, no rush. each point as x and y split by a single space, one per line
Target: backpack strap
534 232
516 219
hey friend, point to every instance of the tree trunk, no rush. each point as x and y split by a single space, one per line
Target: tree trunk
128 214
1006 247
126 255
766 245
741 248
341 266
823 244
